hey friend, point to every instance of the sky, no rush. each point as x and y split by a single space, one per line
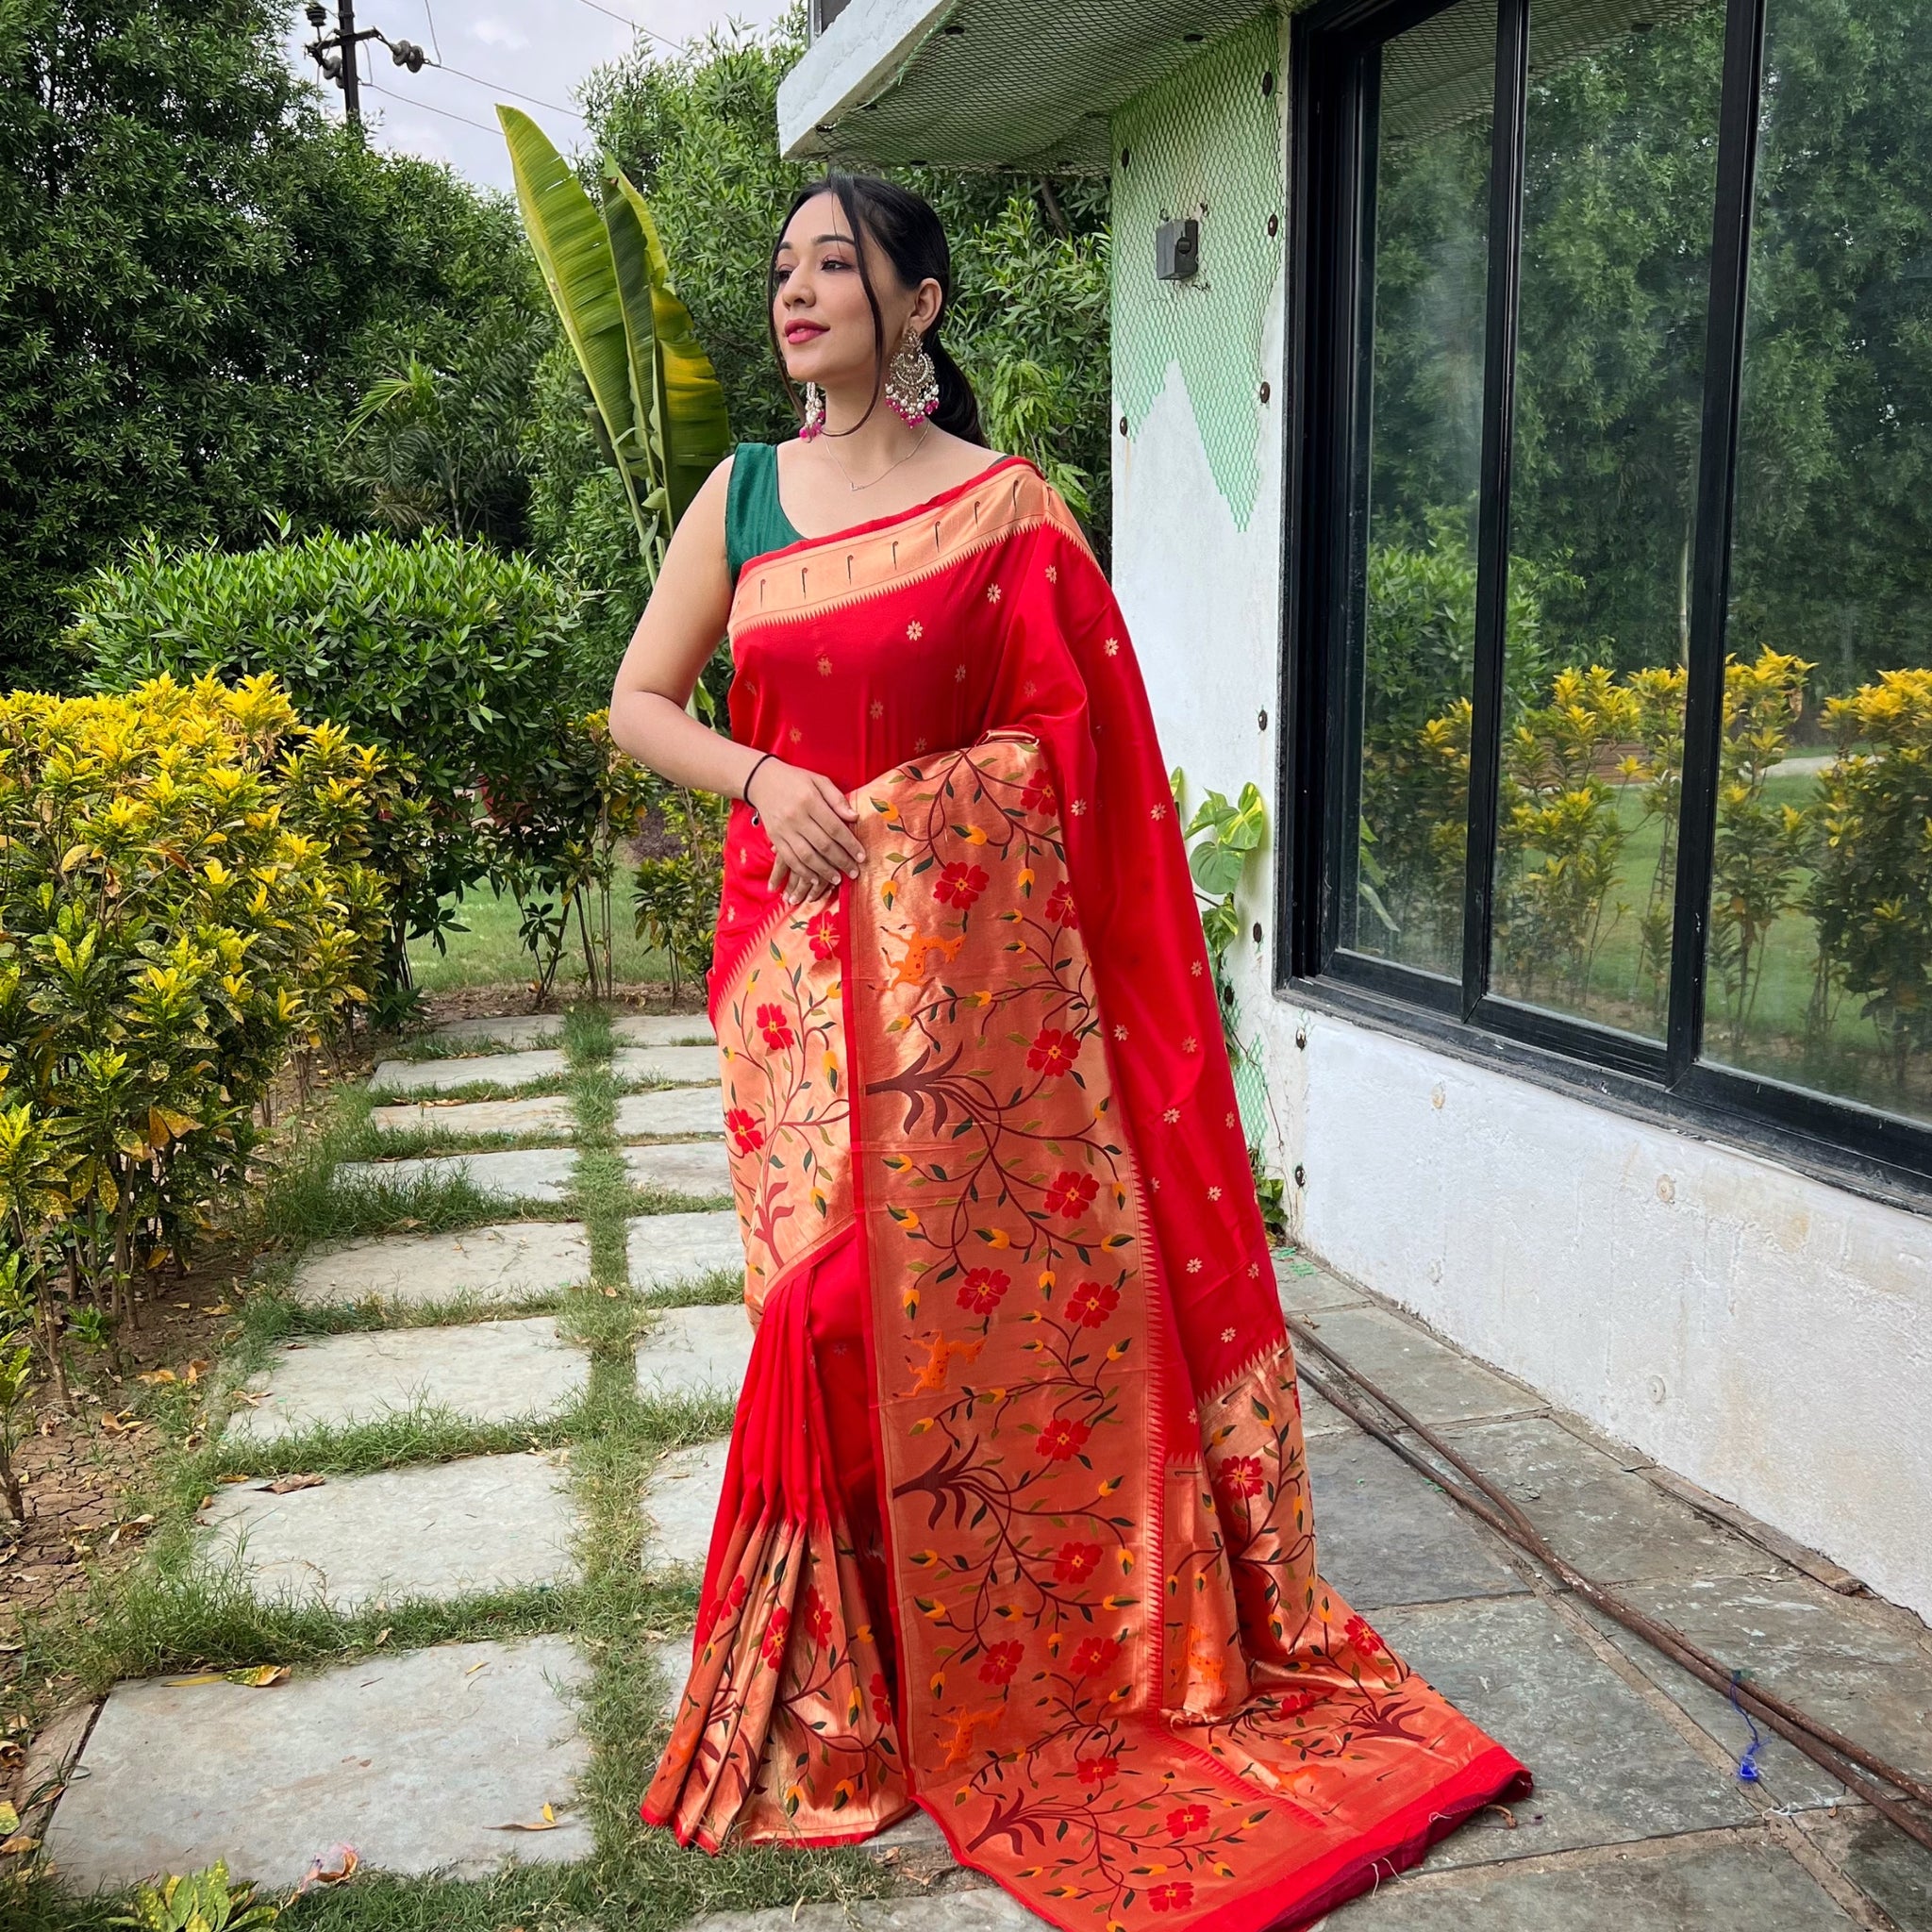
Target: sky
532 53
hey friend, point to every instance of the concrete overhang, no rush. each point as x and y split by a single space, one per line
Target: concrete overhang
986 83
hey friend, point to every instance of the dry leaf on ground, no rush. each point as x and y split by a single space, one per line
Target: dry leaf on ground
549 1822
259 1677
284 1484
335 1865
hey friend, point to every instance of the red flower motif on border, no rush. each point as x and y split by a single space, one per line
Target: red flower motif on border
984 1289
1071 1194
1091 1303
961 885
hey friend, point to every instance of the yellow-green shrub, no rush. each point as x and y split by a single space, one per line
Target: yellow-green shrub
1873 895
184 901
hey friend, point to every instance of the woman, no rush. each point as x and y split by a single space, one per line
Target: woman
1016 1519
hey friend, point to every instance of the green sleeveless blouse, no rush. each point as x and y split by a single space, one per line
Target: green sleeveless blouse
755 519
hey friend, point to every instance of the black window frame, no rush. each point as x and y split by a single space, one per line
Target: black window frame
1332 123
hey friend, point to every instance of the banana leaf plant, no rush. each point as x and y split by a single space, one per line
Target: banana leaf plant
658 406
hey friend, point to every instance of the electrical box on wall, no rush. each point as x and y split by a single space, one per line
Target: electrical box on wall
1177 250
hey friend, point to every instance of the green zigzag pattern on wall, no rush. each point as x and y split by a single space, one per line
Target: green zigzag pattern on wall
1205 138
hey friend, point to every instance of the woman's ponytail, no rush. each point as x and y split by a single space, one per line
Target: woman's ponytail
959 408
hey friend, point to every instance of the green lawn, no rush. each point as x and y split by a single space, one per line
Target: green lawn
490 953
1774 1036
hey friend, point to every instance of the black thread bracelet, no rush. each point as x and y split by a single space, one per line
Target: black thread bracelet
744 790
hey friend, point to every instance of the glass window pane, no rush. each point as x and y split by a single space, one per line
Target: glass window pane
1424 449
1821 932
1619 181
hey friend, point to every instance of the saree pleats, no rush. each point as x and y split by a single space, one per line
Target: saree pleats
1017 1523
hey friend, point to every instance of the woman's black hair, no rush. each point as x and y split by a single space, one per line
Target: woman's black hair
909 236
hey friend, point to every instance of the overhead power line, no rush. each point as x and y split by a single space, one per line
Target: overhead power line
435 45
637 25
496 87
410 101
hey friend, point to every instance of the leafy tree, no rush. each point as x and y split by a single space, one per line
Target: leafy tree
1834 558
198 274
439 440
697 133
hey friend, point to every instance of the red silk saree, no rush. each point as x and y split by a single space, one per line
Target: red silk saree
1016 1521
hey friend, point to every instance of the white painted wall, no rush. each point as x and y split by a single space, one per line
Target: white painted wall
1766 1335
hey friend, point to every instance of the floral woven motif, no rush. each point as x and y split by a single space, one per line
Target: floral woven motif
1058 1580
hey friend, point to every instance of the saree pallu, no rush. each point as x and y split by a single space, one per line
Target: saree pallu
1016 1522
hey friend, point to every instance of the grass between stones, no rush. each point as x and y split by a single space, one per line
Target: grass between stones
176 1613
717 1289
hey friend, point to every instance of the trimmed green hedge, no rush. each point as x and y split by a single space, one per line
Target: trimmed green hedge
467 665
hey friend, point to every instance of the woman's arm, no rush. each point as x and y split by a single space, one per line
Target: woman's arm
804 814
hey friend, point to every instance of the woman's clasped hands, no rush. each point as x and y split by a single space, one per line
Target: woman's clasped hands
809 821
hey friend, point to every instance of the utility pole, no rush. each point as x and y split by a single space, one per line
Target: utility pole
335 54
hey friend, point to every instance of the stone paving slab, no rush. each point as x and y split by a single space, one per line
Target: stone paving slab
1788 1777
1320 1417
482 1523
511 1031
681 1065
1857 1663
544 1113
1879 1860
1435 1382
680 1500
1725 1886
698 1168
1385 1535
442 1077
1307 1288
485 1372
1609 1766
1613 1525
663 1029
414 1759
508 1173
701 1351
671 1111
666 1249
984 1911
508 1262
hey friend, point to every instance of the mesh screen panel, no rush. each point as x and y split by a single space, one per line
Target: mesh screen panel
1442 71
1023 85
1207 141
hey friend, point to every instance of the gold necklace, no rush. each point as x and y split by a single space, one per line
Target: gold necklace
854 487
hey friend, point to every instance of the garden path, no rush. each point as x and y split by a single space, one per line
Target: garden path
446 1756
